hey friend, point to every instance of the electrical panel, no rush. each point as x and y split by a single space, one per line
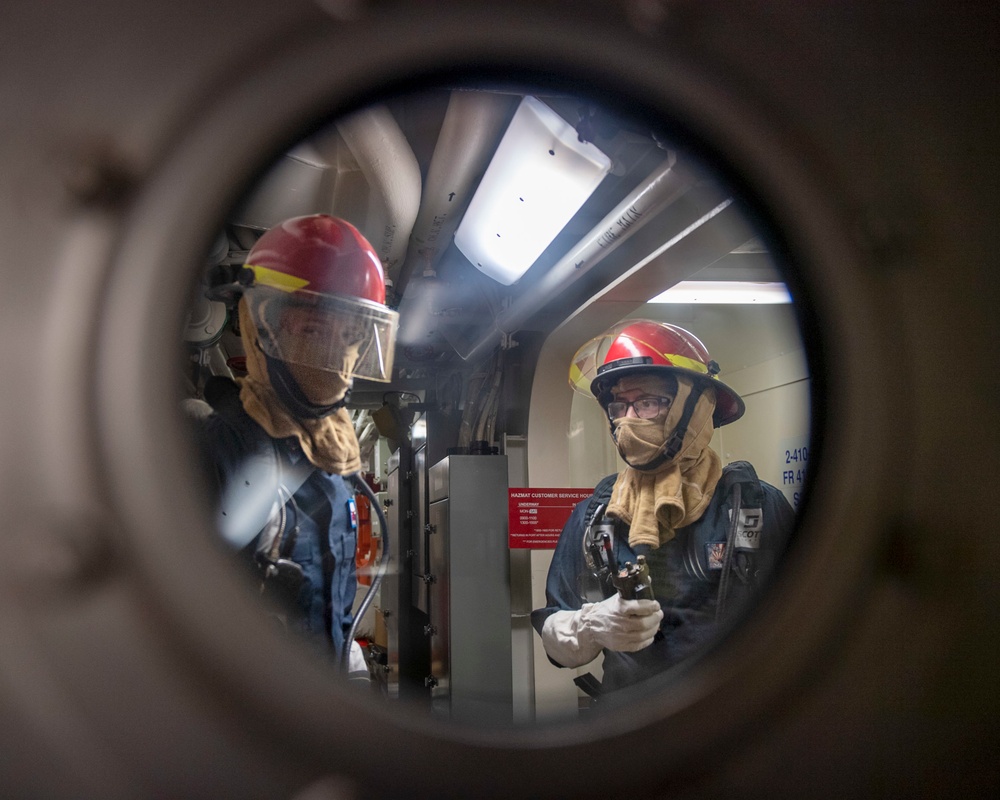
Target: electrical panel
468 584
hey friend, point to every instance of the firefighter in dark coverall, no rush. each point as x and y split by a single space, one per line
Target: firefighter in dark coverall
707 535
280 441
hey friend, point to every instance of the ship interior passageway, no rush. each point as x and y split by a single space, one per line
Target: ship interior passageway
493 301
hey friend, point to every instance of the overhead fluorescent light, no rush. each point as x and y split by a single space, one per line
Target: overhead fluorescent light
539 177
743 292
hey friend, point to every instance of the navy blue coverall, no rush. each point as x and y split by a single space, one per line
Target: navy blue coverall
320 521
688 601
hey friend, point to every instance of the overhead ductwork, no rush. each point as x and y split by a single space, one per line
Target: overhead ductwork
291 188
473 124
363 170
388 164
664 185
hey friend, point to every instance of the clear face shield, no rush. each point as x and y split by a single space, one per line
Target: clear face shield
353 337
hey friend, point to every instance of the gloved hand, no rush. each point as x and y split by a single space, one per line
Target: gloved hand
621 625
357 667
572 638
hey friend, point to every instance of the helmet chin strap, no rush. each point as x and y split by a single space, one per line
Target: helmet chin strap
291 395
674 442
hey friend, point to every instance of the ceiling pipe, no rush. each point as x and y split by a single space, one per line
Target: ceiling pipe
290 188
388 164
473 124
367 436
665 184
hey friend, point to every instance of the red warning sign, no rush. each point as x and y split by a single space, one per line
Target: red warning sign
536 516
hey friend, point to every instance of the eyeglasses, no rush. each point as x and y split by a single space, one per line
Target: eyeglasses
644 407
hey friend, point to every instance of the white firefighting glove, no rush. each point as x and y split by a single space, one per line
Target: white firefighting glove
573 638
357 667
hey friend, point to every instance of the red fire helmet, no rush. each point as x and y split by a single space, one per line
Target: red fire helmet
647 346
322 266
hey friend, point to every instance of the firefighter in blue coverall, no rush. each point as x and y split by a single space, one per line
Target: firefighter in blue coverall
670 512
280 441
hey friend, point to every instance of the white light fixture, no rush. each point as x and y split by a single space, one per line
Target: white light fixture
725 292
539 177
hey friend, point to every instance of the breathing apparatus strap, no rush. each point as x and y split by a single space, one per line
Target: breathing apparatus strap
727 564
745 540
591 586
292 396
600 497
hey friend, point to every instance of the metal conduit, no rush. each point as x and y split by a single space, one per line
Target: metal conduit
664 185
473 124
390 167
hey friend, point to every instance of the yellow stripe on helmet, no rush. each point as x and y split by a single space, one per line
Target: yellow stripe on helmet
277 280
676 360
687 363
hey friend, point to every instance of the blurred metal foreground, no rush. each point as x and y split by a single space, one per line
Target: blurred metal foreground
128 666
